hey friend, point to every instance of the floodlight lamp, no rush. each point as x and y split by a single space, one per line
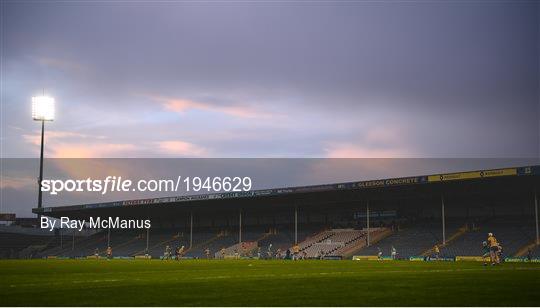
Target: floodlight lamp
43 108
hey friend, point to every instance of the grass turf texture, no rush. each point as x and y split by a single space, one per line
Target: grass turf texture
265 283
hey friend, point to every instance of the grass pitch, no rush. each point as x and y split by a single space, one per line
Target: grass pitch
266 283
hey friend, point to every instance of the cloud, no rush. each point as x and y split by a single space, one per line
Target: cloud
17 182
384 135
388 141
183 148
61 64
63 144
180 105
92 150
51 135
350 150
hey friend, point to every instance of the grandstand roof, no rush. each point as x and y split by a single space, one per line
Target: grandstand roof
382 186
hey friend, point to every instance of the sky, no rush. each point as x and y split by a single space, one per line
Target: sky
269 79
273 79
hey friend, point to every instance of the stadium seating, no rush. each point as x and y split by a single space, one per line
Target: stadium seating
247 249
211 241
511 235
330 243
84 246
283 238
535 253
358 243
14 245
128 243
416 238
410 241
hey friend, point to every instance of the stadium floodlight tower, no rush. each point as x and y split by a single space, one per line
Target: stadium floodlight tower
42 110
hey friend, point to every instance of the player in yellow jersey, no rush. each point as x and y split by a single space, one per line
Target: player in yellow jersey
493 249
296 251
436 251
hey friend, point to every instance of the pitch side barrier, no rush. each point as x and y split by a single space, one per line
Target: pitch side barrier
507 259
96 258
413 258
447 259
414 180
354 258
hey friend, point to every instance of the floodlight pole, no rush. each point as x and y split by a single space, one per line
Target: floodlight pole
147 239
190 230
296 224
367 216
40 194
536 217
240 227
443 222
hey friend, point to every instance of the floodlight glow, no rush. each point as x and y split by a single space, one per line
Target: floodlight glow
43 108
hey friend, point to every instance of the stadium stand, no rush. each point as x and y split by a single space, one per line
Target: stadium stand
211 241
412 240
283 238
329 220
535 252
84 246
15 245
244 249
512 235
332 242
376 234
158 240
